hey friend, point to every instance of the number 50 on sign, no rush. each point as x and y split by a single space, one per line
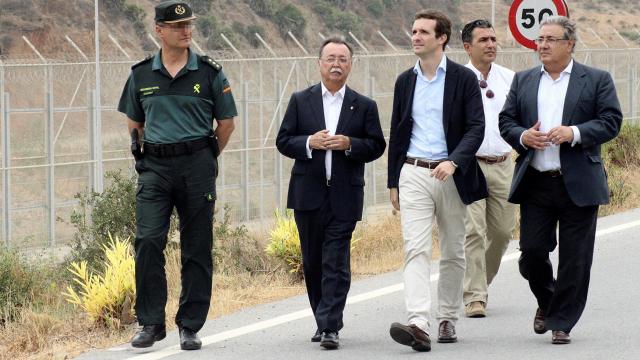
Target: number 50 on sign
525 17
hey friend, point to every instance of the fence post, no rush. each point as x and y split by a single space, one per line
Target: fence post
92 148
632 87
6 173
245 153
372 165
261 129
279 184
50 158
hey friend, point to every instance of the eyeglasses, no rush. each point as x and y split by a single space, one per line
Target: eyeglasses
549 39
178 26
483 85
331 60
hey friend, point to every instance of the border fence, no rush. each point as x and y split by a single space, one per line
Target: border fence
55 141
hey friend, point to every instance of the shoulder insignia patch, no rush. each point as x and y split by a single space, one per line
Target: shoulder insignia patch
146 60
209 61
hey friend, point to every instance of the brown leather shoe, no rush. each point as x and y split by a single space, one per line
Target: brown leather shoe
538 322
447 332
411 336
560 337
475 309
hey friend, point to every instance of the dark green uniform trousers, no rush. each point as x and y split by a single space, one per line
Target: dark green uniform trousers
188 183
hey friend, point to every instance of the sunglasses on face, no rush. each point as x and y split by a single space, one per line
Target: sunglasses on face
483 85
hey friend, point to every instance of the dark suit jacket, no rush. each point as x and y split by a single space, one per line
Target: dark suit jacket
307 187
463 120
592 105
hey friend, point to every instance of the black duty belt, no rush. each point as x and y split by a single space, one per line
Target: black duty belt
421 163
176 149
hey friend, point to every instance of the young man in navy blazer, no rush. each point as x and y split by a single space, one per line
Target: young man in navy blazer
437 126
331 131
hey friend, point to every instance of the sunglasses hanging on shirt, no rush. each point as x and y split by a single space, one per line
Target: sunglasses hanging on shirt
483 85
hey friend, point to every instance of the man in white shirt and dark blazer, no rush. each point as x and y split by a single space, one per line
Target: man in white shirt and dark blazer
556 117
331 131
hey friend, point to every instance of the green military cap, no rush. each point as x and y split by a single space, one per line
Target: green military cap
173 11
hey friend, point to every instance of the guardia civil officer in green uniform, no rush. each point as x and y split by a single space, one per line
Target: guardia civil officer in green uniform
171 100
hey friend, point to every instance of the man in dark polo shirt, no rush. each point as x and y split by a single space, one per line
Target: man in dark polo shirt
170 100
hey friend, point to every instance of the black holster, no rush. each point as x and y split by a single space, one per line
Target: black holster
213 142
136 149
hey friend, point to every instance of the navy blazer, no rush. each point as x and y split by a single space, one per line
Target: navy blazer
463 120
308 185
592 105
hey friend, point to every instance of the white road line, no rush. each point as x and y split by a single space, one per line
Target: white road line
301 314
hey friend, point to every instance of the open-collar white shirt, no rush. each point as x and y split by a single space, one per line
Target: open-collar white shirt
499 82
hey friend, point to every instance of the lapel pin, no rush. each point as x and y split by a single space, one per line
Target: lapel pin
351 108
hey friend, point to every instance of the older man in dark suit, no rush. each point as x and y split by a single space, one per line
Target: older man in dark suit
556 117
331 131
437 125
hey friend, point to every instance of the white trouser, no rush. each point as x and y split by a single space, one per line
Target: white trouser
422 197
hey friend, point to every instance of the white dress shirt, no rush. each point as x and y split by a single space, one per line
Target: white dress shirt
499 82
551 96
331 106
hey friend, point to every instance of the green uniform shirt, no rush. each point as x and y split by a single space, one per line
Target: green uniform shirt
177 109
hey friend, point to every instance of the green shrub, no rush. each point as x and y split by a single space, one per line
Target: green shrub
20 282
375 7
335 19
624 150
290 18
100 214
234 249
249 32
207 25
264 8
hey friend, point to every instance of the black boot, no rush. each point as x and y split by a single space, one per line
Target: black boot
189 340
148 335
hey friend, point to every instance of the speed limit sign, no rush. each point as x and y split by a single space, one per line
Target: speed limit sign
525 17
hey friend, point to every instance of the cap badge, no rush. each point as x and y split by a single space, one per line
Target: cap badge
180 10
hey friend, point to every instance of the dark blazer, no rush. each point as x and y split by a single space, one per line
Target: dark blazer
307 187
463 120
592 105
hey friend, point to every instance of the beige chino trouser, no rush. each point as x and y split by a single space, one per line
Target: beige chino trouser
421 198
489 227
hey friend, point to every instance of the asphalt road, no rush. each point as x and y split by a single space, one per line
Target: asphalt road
608 328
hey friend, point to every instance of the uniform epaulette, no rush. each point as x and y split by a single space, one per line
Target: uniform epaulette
209 61
147 59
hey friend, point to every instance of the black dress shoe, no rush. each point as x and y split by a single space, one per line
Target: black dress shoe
538 322
560 337
189 340
317 336
329 340
148 335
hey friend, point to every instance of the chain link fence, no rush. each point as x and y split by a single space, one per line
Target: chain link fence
53 144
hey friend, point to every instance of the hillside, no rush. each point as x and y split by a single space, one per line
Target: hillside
46 22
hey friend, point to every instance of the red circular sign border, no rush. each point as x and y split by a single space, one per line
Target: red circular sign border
561 6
